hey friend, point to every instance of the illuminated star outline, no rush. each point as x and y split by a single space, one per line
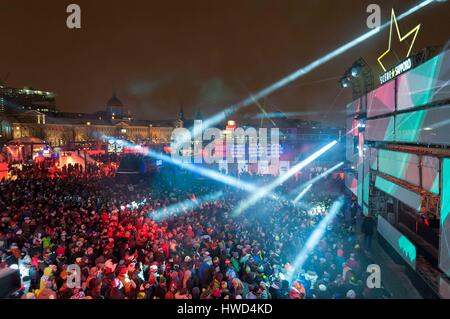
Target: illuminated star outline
414 31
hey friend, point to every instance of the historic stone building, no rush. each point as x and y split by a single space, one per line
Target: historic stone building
62 129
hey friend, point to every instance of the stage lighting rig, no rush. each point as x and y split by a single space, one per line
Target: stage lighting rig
345 82
359 77
355 71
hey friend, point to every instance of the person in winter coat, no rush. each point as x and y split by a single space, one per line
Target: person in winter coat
205 272
48 274
297 291
368 229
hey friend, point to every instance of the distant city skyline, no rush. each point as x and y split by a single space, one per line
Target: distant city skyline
200 55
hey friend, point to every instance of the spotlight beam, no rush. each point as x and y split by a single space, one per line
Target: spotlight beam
264 112
212 174
302 193
188 204
320 176
315 237
264 191
305 70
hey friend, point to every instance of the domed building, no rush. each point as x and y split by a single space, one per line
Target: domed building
114 107
73 130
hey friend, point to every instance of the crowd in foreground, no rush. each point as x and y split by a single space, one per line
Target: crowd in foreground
197 251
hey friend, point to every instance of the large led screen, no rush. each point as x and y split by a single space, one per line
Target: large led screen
382 100
444 251
360 184
381 129
354 107
349 140
408 126
404 195
429 126
373 154
425 84
366 188
366 181
430 174
404 166
402 245
351 183
360 148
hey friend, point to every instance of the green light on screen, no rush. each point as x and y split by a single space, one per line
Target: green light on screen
395 163
435 187
428 73
390 130
407 248
365 210
398 192
409 126
445 200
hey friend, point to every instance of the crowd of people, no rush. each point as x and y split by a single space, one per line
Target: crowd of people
89 237
51 167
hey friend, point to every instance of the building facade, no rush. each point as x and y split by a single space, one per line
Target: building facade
27 98
398 149
63 129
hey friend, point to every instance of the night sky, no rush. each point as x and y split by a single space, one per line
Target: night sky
203 55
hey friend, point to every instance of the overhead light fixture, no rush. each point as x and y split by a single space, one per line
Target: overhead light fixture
355 71
345 83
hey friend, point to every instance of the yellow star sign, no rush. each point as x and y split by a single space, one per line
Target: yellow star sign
413 32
